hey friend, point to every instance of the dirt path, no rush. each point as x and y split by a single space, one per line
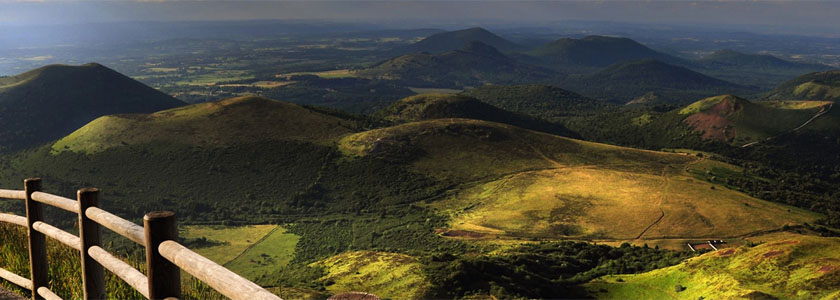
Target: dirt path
555 163
665 182
820 113
251 246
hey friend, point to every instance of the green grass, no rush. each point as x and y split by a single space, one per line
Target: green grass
228 242
387 275
64 269
791 267
794 104
214 78
642 120
467 150
434 90
702 105
271 253
331 74
816 90
208 124
596 203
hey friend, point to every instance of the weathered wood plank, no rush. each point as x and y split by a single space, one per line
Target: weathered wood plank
120 268
12 194
47 294
57 201
60 235
219 278
116 224
16 279
13 219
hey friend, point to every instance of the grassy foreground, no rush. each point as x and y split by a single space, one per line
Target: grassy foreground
65 270
791 267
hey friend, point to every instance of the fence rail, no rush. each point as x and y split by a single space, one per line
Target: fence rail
165 257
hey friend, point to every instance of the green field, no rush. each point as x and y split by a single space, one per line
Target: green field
387 275
816 90
210 124
603 204
434 90
790 267
266 256
214 78
229 242
343 73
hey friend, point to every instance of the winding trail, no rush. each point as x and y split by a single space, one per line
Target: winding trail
820 113
263 238
665 181
659 204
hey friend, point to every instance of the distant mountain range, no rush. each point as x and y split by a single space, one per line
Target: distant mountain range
593 53
453 40
623 82
475 64
753 69
49 102
596 52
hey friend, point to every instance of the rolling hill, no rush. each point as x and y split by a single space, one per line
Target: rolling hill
49 102
390 200
523 184
473 65
753 69
790 266
812 86
211 124
738 121
542 101
597 52
190 153
441 106
623 82
454 40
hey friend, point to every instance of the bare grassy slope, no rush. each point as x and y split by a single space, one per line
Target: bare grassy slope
521 183
792 267
211 124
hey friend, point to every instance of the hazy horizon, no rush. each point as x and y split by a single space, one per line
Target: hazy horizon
784 17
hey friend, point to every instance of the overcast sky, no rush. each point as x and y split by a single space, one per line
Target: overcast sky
793 14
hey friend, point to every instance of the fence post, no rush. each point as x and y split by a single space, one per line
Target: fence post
37 240
164 276
90 234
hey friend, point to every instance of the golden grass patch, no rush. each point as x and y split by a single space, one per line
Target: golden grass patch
387 275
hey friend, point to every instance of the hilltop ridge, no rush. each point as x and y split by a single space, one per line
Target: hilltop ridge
473 64
210 124
625 81
453 40
438 106
69 97
597 51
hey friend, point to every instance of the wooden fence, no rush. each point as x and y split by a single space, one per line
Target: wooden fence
165 257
